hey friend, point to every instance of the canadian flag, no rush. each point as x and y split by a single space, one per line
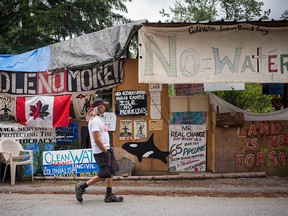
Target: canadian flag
43 111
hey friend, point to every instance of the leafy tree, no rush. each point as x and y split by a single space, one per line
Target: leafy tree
284 15
191 10
241 9
30 24
250 99
202 10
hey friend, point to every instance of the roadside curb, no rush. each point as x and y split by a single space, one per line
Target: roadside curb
170 177
232 185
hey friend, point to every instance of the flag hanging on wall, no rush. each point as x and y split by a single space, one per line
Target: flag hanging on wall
43 111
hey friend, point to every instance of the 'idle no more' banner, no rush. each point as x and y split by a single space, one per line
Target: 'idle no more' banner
62 81
213 54
187 147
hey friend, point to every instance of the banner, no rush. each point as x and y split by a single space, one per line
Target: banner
65 163
43 111
241 53
27 135
61 81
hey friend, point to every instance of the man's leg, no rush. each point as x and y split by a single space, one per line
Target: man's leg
110 197
80 187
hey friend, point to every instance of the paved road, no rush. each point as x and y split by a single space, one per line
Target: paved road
65 204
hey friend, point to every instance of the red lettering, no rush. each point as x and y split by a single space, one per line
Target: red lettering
252 129
239 162
254 143
270 63
260 161
264 128
281 140
246 144
273 159
249 161
275 128
282 158
272 141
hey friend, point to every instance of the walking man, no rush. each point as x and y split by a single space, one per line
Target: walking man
102 151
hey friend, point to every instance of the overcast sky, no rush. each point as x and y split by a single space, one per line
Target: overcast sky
149 9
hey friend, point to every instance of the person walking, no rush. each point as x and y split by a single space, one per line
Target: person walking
102 152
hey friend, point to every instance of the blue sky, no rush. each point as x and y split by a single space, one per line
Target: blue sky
149 9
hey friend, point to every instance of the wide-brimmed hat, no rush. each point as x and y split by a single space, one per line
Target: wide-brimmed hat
99 101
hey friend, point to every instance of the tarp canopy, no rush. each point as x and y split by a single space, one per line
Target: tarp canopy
90 49
221 106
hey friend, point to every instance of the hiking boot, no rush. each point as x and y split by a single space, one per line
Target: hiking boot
113 198
79 191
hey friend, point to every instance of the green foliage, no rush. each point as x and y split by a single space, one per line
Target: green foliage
203 10
30 24
284 15
249 99
241 9
191 10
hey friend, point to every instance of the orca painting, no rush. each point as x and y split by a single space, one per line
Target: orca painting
146 149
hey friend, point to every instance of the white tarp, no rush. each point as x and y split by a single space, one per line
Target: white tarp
241 53
222 106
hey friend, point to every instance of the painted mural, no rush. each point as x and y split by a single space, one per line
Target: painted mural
264 146
147 149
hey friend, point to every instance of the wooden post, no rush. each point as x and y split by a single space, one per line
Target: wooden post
285 95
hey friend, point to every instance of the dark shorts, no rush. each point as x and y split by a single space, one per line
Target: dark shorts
107 164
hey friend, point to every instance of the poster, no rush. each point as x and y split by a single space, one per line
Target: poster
187 118
131 102
109 119
125 130
67 137
189 89
7 109
187 147
81 104
155 125
140 129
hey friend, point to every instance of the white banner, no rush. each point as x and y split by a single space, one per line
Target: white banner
26 135
211 54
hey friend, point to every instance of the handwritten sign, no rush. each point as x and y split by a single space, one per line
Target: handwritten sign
187 144
194 56
65 163
132 102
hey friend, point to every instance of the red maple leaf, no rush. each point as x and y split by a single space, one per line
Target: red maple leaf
39 110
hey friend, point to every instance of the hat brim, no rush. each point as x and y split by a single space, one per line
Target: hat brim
101 103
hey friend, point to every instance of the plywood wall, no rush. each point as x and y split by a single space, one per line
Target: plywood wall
255 147
147 165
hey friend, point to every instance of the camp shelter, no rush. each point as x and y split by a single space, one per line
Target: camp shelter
165 135
217 52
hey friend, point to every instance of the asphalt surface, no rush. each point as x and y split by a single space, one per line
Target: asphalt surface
228 185
134 205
